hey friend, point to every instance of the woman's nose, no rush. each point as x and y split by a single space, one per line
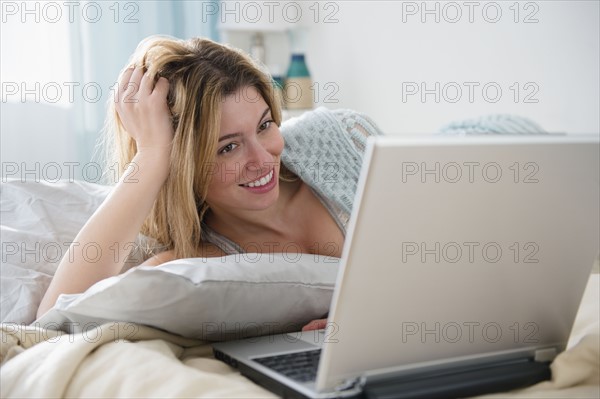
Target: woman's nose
259 160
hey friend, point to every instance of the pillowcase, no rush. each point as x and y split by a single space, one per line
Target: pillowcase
243 295
39 220
216 299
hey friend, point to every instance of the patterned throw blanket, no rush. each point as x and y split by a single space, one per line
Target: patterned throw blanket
325 148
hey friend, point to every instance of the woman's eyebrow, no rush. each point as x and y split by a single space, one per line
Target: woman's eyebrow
266 111
228 136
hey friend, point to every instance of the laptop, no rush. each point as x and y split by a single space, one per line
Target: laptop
462 271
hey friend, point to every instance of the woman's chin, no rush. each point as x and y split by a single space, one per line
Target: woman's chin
264 200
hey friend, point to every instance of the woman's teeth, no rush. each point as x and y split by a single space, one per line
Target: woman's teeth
260 182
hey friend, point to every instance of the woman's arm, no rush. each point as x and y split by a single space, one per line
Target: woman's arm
160 258
100 249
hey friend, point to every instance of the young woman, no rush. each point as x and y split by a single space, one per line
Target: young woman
205 170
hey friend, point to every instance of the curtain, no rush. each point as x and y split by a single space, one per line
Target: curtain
60 62
101 49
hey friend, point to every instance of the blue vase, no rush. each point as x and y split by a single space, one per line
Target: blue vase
298 85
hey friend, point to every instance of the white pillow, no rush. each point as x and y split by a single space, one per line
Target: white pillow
38 221
222 298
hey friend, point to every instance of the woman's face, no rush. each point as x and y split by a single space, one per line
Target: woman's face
246 174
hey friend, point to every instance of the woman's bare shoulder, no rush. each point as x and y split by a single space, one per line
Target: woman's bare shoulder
160 258
207 250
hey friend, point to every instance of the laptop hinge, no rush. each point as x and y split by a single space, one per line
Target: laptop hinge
460 382
545 355
352 384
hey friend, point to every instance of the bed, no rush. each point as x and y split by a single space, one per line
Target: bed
134 355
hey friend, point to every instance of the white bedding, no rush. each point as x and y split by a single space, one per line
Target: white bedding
126 360
39 220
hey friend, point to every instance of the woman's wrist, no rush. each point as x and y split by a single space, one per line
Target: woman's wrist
160 152
148 164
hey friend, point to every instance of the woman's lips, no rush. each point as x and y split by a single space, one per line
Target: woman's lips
262 185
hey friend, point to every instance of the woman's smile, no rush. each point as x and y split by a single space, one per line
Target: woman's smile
261 182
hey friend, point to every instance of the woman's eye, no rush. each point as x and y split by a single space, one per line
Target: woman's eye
229 147
265 125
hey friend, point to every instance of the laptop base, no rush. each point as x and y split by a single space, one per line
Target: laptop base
456 382
459 383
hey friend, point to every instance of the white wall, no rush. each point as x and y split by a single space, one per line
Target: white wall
371 54
363 60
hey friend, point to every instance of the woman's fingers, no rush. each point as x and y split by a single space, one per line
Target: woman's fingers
161 88
133 86
143 110
125 78
135 83
146 85
123 82
315 325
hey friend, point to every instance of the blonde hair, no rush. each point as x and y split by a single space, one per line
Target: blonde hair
201 73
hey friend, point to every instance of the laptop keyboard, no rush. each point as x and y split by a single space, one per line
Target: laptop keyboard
299 366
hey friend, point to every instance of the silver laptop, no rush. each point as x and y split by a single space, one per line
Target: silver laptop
462 271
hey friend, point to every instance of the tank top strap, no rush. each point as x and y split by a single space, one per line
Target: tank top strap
230 247
220 241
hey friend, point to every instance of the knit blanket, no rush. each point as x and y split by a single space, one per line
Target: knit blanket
325 149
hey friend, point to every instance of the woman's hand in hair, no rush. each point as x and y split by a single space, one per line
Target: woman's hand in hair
142 107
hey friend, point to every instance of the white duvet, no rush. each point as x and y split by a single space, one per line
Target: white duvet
126 360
